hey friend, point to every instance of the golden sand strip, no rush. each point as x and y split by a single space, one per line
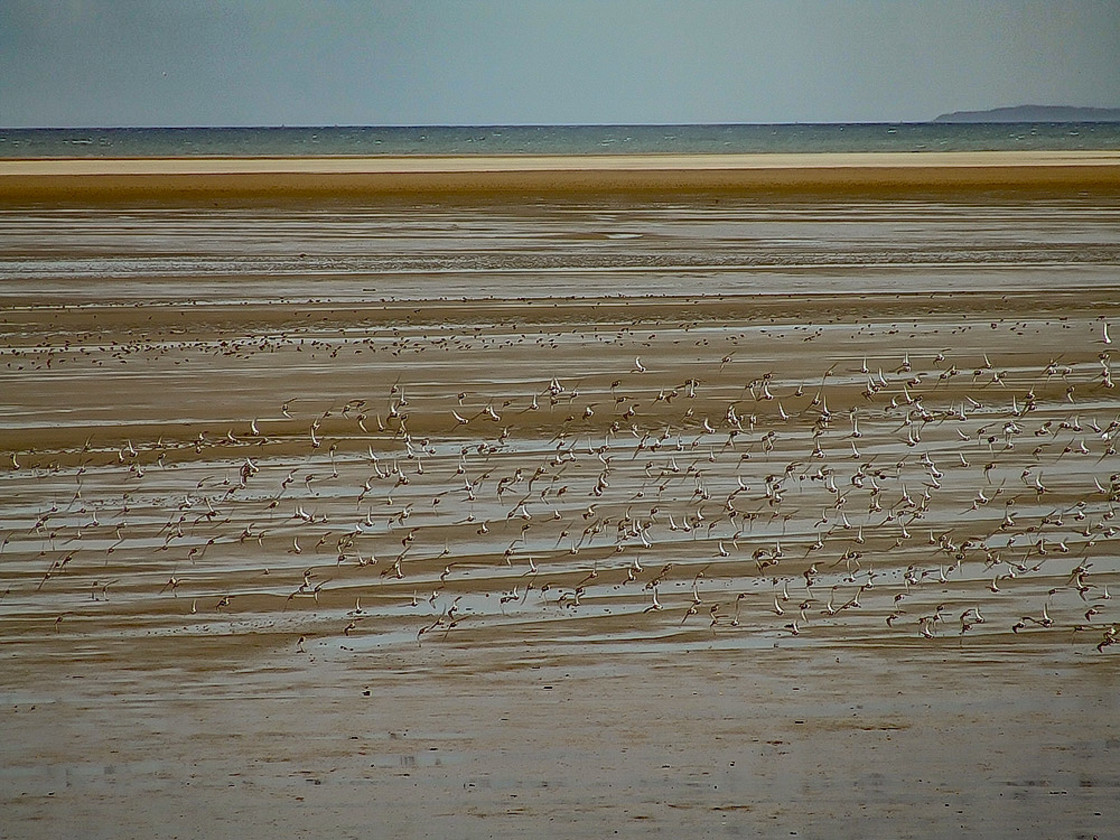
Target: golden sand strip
203 178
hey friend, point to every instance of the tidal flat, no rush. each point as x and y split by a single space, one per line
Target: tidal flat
564 515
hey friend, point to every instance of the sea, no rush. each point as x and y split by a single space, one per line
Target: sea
281 141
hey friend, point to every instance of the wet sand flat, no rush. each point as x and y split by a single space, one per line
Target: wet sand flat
569 513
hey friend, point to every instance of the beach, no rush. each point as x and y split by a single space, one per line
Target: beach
565 496
353 177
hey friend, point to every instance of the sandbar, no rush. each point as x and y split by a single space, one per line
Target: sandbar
371 177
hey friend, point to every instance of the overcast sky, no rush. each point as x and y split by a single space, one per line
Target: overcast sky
423 62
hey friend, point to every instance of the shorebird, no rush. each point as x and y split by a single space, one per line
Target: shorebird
926 628
1110 638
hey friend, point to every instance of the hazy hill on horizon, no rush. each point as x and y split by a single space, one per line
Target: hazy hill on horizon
1034 113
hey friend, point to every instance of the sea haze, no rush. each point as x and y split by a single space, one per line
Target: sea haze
552 139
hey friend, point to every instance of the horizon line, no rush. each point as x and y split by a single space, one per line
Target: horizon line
317 126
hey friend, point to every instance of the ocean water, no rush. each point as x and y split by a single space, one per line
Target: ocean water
595 139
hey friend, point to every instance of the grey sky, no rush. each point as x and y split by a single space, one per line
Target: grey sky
300 62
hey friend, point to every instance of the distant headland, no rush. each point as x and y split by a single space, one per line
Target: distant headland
1034 113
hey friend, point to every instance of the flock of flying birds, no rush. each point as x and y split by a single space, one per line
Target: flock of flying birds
922 498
